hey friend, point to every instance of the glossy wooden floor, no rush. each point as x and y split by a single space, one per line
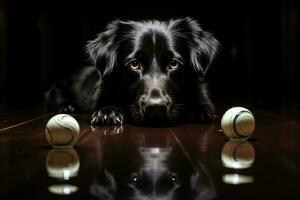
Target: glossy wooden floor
190 161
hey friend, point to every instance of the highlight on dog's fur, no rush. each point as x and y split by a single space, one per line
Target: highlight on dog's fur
147 72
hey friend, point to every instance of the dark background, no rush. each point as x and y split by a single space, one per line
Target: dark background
41 42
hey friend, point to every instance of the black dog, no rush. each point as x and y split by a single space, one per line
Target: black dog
149 72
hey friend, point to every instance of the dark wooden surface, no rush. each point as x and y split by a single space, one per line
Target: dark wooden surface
188 161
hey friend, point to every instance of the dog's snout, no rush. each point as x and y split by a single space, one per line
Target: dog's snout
155 104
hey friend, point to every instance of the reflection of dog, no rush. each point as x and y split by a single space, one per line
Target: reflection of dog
153 180
152 70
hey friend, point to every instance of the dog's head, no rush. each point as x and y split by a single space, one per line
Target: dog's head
151 65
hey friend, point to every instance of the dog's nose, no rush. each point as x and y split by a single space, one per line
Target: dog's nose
155 104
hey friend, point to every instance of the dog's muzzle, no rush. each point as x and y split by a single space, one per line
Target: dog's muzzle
155 105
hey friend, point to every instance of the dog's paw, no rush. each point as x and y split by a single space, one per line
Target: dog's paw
67 108
107 116
205 113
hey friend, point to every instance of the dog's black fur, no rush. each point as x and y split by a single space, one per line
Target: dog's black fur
149 72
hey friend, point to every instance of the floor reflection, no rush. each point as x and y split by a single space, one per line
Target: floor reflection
237 155
62 189
236 179
62 165
154 178
108 130
156 169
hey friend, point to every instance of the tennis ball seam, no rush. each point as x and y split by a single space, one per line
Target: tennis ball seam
235 123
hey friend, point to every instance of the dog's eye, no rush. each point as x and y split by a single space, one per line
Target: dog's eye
135 65
173 65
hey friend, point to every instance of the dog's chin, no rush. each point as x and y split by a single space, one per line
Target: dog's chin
157 121
140 119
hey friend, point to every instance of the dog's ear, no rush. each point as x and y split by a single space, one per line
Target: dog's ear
103 50
203 47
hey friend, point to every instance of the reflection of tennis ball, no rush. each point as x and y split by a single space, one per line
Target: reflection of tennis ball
62 131
238 123
238 154
62 163
63 189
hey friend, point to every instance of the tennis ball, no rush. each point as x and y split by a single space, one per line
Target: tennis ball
238 123
62 131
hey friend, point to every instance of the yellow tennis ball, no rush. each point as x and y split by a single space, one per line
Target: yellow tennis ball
62 131
238 123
